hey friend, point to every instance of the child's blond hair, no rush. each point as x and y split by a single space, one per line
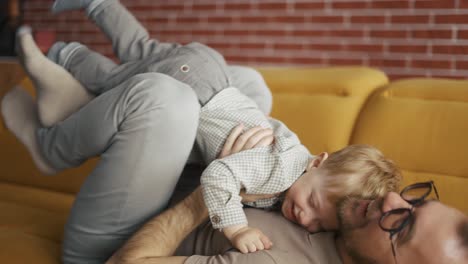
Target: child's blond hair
360 170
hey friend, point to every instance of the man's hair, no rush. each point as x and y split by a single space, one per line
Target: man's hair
462 232
360 170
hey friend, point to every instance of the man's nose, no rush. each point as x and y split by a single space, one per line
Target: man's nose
393 201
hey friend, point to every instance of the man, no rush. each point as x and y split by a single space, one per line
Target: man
420 230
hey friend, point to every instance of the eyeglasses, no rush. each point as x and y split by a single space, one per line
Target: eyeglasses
397 219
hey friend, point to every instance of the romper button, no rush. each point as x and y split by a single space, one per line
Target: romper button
185 68
215 219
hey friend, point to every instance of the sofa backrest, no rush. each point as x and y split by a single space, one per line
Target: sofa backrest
321 105
422 124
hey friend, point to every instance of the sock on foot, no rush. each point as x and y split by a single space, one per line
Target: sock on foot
58 94
19 113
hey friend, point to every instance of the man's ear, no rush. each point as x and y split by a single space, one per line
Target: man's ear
317 160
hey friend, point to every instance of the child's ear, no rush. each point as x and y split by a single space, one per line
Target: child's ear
317 160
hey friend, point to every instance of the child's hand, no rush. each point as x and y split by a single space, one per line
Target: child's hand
247 239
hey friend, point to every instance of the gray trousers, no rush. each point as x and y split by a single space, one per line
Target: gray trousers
143 128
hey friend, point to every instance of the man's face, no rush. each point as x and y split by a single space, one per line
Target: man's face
430 238
307 205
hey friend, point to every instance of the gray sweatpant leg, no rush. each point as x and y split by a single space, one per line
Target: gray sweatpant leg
144 130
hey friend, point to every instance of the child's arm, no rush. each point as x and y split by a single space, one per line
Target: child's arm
221 187
247 239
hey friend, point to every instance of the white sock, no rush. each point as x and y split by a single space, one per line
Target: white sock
20 115
58 94
66 5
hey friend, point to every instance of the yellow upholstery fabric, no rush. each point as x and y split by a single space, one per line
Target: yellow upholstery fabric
20 248
422 125
321 105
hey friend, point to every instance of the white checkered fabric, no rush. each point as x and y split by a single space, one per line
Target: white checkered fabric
262 170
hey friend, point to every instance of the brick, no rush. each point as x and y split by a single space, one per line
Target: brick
326 19
434 3
275 59
387 63
413 19
253 19
203 7
158 20
206 32
364 47
431 34
243 45
430 64
450 49
307 60
344 61
451 19
309 5
238 6
309 33
234 32
388 33
462 34
346 33
272 6
461 65
236 58
463 4
390 4
271 33
190 20
324 47
288 46
367 19
408 48
288 19
220 19
350 5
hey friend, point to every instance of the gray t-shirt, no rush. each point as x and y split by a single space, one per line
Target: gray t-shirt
291 244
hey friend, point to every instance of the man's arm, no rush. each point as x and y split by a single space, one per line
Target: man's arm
157 240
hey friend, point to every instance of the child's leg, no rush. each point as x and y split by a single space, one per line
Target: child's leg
95 71
58 93
130 40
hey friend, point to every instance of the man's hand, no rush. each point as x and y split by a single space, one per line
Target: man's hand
254 137
247 239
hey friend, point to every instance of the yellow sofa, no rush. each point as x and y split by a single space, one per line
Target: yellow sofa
420 123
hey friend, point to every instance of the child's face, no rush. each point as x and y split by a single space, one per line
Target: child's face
308 206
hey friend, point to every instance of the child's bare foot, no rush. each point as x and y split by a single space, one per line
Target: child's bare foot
20 115
58 93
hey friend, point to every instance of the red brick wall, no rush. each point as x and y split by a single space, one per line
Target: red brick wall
402 37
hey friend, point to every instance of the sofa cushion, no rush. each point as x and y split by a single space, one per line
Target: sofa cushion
422 124
321 105
19 247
